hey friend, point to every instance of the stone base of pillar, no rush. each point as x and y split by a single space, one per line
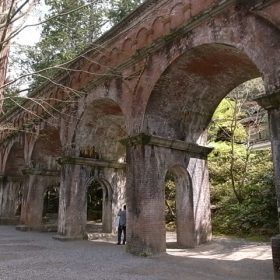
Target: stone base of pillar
9 221
103 236
145 251
40 228
23 228
69 238
275 244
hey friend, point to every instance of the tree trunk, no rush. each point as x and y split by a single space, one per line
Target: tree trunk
5 28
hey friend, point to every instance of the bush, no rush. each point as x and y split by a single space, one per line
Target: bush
257 214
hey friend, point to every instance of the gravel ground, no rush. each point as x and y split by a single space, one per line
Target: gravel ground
32 255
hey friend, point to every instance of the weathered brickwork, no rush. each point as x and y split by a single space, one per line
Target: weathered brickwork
144 102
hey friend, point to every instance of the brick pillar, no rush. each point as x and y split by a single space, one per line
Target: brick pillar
275 244
9 191
145 200
185 226
107 211
1 193
148 159
24 192
271 102
274 119
35 201
72 215
198 172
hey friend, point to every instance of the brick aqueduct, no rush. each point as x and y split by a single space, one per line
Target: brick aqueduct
143 96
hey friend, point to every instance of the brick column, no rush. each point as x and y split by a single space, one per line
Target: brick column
24 191
274 122
72 213
185 222
145 201
148 159
271 102
9 191
2 178
35 201
107 210
198 171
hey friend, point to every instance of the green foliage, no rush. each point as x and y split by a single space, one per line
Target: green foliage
120 8
257 214
51 201
70 26
170 206
94 202
242 189
11 99
65 36
223 171
221 127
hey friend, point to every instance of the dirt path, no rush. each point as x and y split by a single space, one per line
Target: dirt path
31 255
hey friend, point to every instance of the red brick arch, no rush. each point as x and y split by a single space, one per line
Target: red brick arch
233 37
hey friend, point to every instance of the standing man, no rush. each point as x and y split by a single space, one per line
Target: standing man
122 225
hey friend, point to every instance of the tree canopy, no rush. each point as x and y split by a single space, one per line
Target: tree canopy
68 27
79 24
241 177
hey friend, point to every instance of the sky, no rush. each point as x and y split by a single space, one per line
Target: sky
31 35
27 37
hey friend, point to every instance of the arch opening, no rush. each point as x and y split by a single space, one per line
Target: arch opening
240 167
182 103
179 212
12 185
94 202
51 204
47 149
18 202
98 136
15 161
101 129
99 206
42 198
185 97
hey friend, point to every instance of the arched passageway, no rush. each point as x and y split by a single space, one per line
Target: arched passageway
51 203
94 202
177 116
11 185
185 97
99 206
180 205
99 167
15 161
42 174
47 149
240 167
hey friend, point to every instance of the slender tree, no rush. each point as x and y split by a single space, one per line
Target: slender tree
5 28
12 17
241 177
